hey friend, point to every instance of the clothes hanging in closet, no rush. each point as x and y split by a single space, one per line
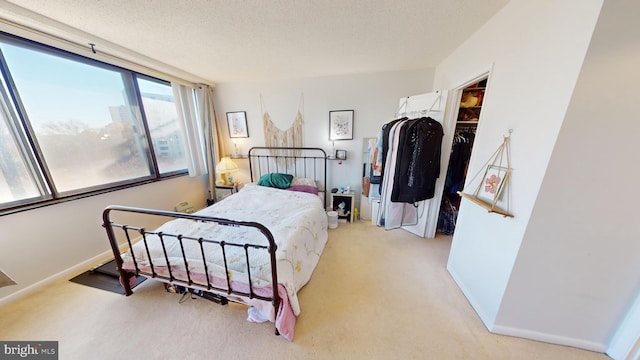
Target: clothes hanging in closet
411 164
459 160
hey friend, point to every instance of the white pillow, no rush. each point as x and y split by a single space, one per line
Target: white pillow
303 181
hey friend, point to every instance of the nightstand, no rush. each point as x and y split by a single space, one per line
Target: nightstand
222 191
345 213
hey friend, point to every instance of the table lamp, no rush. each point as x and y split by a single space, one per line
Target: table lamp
225 167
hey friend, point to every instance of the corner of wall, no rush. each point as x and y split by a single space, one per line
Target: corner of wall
487 320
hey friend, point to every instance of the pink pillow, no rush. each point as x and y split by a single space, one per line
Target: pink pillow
304 188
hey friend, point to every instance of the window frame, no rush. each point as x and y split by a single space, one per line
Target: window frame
154 158
30 151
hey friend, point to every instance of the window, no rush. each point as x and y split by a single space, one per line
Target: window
17 183
72 125
162 117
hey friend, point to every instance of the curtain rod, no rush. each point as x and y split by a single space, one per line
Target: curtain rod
92 50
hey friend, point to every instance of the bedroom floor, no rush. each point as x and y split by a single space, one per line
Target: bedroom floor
375 294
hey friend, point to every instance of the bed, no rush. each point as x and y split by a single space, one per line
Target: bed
258 246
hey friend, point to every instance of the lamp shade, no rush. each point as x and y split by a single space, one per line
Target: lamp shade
226 165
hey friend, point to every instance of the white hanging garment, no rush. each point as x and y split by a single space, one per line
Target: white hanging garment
393 215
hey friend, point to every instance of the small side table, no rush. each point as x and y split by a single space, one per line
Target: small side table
222 191
346 212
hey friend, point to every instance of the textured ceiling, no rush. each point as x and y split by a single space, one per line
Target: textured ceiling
234 40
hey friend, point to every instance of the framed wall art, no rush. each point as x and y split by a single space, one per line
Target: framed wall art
341 125
490 189
341 154
492 184
237 122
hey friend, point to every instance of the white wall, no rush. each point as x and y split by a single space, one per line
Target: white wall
42 244
578 265
535 51
374 97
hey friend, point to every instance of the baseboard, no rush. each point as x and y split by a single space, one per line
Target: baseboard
550 338
486 319
65 274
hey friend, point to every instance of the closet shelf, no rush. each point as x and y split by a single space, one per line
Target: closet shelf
484 205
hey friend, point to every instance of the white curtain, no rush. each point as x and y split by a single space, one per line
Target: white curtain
209 123
192 130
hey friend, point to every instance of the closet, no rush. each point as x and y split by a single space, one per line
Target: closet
467 122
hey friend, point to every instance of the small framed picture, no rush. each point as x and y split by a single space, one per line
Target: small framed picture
341 154
341 125
237 122
491 187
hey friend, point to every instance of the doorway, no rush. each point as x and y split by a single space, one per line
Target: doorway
467 120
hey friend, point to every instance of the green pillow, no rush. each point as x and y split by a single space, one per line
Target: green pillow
276 180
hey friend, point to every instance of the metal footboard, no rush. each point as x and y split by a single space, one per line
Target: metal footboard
132 233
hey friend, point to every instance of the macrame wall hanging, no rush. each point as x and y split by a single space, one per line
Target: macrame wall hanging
274 137
495 186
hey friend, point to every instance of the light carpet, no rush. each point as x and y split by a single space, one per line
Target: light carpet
375 294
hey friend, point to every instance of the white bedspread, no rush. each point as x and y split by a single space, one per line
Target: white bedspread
297 221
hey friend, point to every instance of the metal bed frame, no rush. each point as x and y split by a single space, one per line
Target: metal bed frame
303 162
